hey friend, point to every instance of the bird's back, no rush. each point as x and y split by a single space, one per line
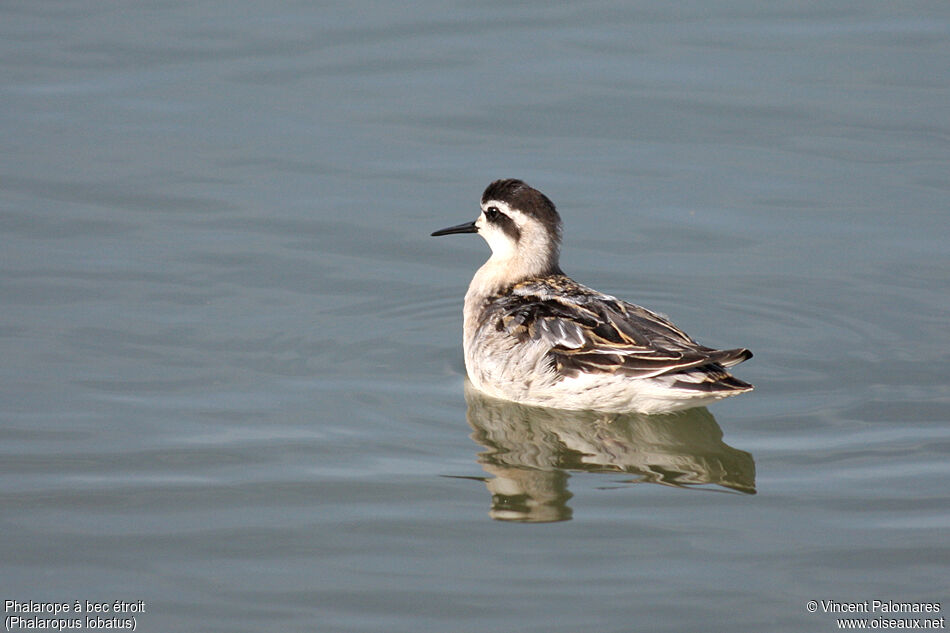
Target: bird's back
554 342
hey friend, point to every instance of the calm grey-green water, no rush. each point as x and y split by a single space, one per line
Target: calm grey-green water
231 379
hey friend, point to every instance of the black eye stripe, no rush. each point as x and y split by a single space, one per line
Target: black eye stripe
507 225
504 222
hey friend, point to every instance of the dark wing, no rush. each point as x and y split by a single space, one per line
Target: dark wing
594 333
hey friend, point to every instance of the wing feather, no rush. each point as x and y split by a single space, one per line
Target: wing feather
590 332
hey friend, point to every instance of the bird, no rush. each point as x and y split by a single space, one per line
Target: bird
533 335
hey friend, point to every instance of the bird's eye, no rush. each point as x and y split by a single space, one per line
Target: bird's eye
492 213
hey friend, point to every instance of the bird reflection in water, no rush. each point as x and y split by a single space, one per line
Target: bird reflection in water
530 450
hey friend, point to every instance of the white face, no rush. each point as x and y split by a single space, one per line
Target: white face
503 245
518 241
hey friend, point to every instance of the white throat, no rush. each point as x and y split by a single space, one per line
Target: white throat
533 255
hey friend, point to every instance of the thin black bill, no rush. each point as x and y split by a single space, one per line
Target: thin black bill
468 227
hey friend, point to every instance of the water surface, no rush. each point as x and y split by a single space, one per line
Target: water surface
232 383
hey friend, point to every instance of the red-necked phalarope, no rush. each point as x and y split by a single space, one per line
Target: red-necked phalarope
534 335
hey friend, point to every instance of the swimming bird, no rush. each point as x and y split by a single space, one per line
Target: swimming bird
534 335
